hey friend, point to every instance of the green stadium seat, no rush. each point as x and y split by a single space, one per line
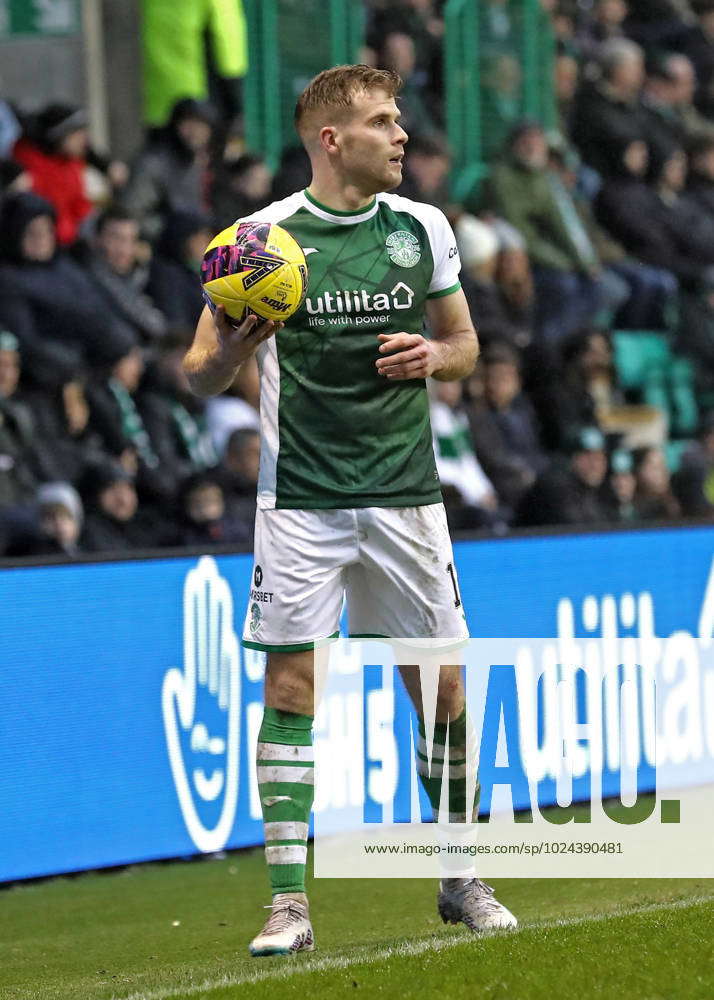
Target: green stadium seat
673 451
654 390
647 367
638 355
684 410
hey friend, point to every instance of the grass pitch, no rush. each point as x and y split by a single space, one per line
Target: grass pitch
180 931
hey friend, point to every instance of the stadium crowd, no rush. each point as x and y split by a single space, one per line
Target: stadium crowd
587 258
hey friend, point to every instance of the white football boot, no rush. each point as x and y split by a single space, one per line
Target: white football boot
470 901
287 929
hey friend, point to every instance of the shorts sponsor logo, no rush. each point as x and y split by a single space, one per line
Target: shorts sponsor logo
266 596
403 248
256 594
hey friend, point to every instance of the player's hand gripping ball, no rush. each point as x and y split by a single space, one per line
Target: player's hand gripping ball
254 267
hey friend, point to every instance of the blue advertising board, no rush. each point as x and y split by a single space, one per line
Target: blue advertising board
129 710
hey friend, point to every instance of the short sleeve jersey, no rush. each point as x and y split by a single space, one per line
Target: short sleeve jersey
335 433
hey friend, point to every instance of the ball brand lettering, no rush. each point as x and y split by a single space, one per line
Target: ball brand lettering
276 304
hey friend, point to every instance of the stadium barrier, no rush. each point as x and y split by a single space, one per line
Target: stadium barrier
498 68
290 42
130 713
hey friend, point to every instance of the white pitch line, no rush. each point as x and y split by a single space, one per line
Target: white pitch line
288 968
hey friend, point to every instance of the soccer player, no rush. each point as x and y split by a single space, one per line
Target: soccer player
348 494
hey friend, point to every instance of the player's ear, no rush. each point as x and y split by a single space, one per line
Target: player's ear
328 139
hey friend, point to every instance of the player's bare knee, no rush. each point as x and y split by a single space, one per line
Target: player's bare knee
451 694
289 683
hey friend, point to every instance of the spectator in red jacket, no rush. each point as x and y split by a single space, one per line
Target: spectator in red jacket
54 153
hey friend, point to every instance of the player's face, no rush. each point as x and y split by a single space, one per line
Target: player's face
372 143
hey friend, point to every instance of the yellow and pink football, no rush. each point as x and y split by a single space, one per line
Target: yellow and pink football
254 267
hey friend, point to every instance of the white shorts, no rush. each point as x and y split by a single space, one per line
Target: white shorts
394 564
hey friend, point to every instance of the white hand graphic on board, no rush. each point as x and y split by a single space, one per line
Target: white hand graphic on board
209 685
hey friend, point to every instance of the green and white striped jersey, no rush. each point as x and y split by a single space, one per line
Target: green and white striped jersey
335 433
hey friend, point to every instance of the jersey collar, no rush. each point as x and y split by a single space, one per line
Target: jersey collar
340 218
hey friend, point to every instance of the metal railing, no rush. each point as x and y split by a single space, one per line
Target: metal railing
498 62
290 41
498 68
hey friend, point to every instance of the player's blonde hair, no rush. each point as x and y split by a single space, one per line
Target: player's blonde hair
334 90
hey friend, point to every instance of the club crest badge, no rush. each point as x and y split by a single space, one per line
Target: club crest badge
403 248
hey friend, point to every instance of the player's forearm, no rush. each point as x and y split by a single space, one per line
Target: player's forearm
455 355
209 372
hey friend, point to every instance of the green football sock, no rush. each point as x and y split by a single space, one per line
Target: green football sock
286 767
455 769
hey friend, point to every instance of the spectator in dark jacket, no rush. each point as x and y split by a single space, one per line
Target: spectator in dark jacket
204 519
608 112
115 417
699 47
693 483
60 515
633 293
14 179
114 522
174 282
659 23
571 492
426 171
55 526
19 465
239 470
654 223
241 188
604 24
294 172
619 490
504 427
692 232
654 497
171 173
420 22
668 102
584 382
700 179
122 277
398 53
65 441
174 417
46 299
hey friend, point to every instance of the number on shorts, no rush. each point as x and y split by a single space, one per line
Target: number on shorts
457 596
